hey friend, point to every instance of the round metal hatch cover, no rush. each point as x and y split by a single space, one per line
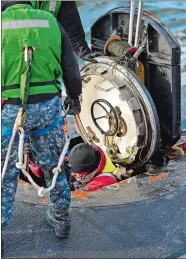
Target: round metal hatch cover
118 87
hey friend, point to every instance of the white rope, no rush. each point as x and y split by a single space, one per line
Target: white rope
21 149
57 169
21 164
8 153
11 142
62 156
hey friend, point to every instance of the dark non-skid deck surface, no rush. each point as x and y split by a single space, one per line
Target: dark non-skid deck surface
146 229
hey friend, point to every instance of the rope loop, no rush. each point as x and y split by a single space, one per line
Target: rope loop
21 164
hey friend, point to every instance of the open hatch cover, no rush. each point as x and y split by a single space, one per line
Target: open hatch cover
118 113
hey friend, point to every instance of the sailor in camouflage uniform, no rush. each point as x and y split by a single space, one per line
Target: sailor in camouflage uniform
52 57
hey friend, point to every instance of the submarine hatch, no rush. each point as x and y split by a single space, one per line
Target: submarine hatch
131 96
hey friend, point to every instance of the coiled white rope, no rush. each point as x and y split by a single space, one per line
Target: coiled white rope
22 165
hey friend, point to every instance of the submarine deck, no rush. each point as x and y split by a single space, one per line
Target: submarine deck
143 217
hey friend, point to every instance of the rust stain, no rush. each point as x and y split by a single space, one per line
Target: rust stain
80 195
21 182
120 182
174 156
158 177
44 201
151 16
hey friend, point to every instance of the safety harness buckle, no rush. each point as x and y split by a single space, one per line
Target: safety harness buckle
21 118
28 54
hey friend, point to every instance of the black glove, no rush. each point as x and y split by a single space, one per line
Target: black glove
72 106
91 57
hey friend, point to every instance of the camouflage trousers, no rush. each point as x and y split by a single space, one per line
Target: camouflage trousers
45 149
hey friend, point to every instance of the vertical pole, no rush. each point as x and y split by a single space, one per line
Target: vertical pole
138 24
131 21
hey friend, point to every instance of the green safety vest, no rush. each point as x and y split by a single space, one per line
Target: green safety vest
50 6
23 26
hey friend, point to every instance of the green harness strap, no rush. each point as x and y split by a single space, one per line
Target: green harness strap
24 85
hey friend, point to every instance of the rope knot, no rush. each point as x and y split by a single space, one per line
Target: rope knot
41 191
20 166
56 170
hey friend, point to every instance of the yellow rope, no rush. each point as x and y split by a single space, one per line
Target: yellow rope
179 149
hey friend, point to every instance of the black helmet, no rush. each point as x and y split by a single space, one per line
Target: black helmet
83 158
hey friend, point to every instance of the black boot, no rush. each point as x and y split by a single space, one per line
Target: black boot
59 219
